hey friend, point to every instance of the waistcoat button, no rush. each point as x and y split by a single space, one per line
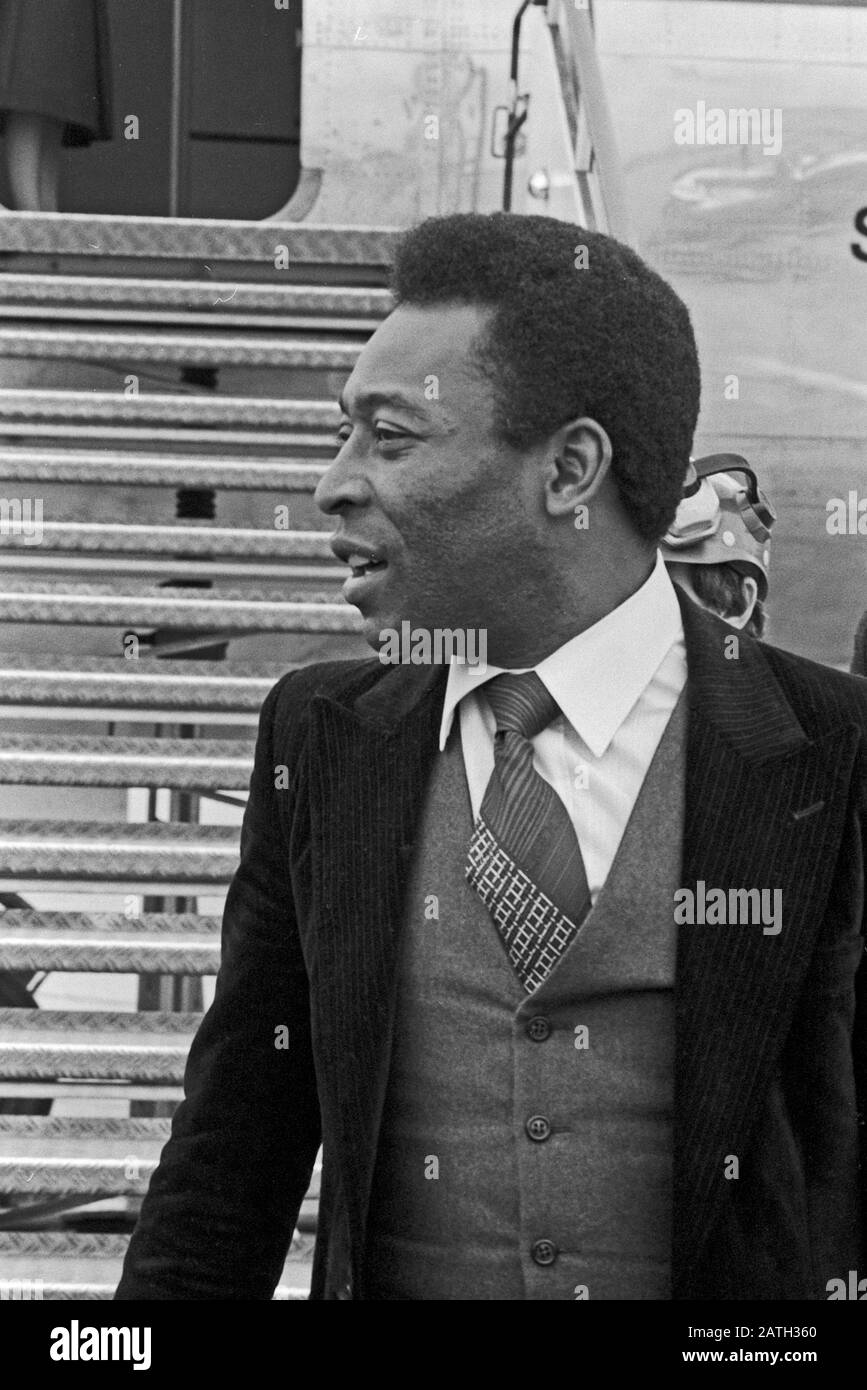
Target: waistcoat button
544 1252
539 1029
538 1128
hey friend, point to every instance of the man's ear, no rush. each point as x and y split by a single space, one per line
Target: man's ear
579 460
750 590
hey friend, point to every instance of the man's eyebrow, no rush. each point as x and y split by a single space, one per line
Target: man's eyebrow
368 400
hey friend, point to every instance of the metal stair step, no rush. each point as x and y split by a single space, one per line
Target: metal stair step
176 550
81 1136
186 764
134 469
121 1055
54 1045
103 1177
92 565
92 687
93 1176
60 1265
47 1155
77 1265
212 239
194 416
261 609
233 302
174 346
54 1026
169 943
94 856
178 538
41 1155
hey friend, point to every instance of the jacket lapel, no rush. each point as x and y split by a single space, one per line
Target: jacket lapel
369 765
765 808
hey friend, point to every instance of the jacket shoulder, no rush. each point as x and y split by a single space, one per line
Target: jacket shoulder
820 695
286 703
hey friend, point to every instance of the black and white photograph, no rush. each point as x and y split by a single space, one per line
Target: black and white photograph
433 666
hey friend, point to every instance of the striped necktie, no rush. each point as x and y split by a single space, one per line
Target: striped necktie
524 858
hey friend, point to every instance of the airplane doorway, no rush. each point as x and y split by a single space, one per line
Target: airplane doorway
206 113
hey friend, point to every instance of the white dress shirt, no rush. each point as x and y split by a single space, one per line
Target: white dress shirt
616 684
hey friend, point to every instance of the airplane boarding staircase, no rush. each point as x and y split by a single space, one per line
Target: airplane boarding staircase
205 359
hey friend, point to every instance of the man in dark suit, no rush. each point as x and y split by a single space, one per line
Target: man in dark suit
561 953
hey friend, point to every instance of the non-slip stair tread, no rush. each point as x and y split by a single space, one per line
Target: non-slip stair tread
155 408
163 927
125 1021
181 957
209 239
54 1290
205 347
116 1056
143 588
141 684
140 612
79 1176
76 1244
82 1129
86 1265
102 1044
219 298
64 1244
239 542
140 469
92 762
118 1065
128 855
235 674
125 762
159 943
158 834
184 752
133 602
100 1175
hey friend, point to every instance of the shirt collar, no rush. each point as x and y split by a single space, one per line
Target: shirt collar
597 676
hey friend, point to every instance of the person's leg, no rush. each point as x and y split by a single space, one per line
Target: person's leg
32 149
49 164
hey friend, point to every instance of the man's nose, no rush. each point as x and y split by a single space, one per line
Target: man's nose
341 486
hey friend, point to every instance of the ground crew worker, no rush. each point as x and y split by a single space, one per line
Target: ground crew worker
718 546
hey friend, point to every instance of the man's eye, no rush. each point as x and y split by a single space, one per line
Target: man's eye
384 435
343 434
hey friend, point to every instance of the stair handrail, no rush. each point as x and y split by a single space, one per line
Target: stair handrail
597 164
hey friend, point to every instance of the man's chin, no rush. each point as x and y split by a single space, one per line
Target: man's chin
371 633
377 627
382 629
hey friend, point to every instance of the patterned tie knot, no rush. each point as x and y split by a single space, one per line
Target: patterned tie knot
521 704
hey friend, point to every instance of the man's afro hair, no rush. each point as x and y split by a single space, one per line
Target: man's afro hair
580 327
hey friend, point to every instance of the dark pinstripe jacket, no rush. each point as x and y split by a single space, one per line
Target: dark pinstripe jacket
771 1031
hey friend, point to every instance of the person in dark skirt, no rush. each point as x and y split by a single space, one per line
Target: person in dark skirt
55 90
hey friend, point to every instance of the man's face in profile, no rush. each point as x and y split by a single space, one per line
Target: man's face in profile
431 507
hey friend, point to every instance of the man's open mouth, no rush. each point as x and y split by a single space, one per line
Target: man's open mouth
363 564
